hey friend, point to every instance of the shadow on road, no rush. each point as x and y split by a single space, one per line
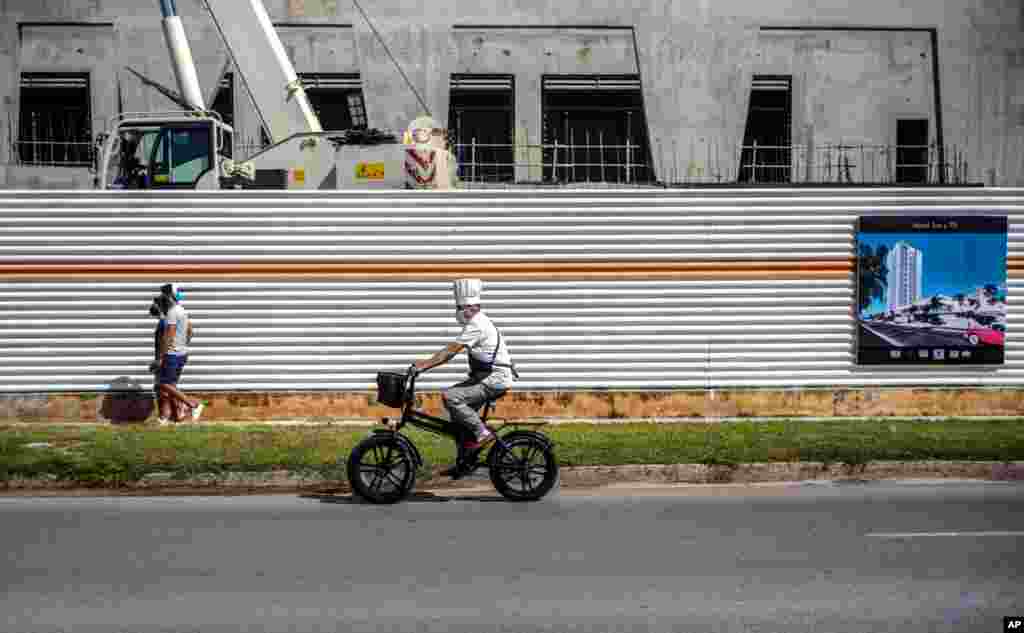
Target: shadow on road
422 497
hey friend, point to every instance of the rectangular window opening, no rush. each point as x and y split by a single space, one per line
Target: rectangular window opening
767 153
595 130
55 122
337 100
912 151
481 120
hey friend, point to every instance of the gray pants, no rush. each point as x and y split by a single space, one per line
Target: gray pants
464 400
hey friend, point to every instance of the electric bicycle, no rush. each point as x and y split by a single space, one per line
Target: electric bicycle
382 468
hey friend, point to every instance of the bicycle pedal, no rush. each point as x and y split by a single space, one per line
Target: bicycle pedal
469 469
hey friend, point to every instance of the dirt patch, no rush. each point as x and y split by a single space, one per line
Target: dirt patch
363 408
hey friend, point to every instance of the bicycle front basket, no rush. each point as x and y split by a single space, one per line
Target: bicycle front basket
391 389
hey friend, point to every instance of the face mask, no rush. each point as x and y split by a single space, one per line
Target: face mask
460 317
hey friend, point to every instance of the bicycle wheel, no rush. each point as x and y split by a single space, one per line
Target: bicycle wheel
381 470
524 471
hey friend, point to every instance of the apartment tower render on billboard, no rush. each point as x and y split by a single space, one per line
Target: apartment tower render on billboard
903 283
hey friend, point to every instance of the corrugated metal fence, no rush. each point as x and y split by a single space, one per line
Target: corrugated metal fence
623 289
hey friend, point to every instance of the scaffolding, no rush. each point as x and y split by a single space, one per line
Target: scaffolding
591 163
555 163
50 153
50 138
851 164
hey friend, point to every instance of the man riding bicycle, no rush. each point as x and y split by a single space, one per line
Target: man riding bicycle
521 462
491 371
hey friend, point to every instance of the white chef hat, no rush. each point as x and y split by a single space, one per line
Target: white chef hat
468 291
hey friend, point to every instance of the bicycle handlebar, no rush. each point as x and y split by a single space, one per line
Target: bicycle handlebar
411 373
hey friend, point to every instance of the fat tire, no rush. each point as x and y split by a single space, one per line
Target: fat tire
551 474
364 489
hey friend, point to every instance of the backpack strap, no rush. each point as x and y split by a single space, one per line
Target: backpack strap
511 366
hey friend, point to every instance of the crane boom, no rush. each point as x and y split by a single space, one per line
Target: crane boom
263 66
181 56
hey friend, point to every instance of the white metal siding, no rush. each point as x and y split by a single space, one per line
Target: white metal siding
564 333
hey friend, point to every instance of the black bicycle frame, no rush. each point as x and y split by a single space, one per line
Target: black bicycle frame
436 425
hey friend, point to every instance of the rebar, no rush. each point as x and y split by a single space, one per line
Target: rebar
52 153
554 163
586 135
629 173
753 165
472 159
593 160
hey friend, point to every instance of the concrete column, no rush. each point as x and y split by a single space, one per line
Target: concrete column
697 77
529 128
422 54
8 91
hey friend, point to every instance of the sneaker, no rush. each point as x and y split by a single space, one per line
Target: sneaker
163 422
198 411
481 441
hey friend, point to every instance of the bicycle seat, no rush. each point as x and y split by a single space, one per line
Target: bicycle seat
491 403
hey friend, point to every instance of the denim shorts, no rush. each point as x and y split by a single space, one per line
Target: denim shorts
170 371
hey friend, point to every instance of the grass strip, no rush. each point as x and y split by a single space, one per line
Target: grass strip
112 456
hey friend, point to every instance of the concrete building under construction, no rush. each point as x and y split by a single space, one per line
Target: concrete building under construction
564 92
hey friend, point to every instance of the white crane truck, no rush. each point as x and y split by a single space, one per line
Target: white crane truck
192 148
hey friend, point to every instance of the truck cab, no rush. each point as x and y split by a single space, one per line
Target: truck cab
169 150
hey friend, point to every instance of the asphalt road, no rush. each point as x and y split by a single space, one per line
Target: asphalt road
886 557
917 337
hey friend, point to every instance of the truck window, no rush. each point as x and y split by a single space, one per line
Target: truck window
181 155
132 149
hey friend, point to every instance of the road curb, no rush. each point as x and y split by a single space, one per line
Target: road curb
164 483
791 471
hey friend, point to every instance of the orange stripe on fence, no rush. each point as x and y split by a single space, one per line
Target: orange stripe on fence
796 269
788 269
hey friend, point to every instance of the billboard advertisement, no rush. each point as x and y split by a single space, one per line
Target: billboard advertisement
931 290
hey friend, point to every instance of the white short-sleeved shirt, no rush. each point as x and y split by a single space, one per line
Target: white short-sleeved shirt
178 317
480 336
